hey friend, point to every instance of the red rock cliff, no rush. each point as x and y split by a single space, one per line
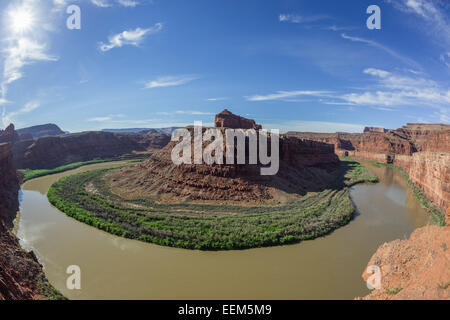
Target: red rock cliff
9 134
9 185
414 269
226 119
409 147
50 152
21 275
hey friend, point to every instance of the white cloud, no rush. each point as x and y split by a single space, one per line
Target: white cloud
170 81
445 58
109 3
381 47
389 90
216 99
128 3
280 95
399 90
99 119
295 18
20 49
129 37
338 28
9 117
434 15
101 3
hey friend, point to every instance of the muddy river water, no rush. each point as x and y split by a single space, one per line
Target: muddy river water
115 268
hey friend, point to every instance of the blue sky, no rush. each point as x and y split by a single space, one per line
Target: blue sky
292 65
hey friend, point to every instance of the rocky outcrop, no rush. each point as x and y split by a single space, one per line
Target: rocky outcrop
305 166
375 129
50 152
9 185
39 131
226 119
9 134
414 269
409 147
426 137
447 217
21 275
430 171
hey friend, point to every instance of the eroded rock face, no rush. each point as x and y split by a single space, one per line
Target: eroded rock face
9 134
39 131
9 185
21 275
226 119
375 129
430 171
414 269
409 147
20 271
305 165
50 152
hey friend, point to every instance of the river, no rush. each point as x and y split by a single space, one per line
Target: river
329 267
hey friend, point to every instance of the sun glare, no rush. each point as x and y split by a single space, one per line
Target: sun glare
21 20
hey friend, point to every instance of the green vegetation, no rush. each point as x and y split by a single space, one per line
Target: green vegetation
48 290
444 286
209 226
436 216
393 291
32 174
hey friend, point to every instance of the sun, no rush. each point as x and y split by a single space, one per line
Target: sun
21 20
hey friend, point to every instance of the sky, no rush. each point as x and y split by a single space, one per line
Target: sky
299 65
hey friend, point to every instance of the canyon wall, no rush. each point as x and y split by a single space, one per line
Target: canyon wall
9 185
422 150
50 152
430 171
21 275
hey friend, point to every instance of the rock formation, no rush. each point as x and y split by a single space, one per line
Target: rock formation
410 147
39 131
9 185
50 152
447 217
9 134
375 129
226 119
21 275
414 269
304 166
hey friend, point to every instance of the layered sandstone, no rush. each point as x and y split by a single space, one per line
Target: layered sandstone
305 165
430 171
50 152
226 119
414 269
409 147
427 137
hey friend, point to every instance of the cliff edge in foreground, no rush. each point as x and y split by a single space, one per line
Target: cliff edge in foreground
21 275
414 269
